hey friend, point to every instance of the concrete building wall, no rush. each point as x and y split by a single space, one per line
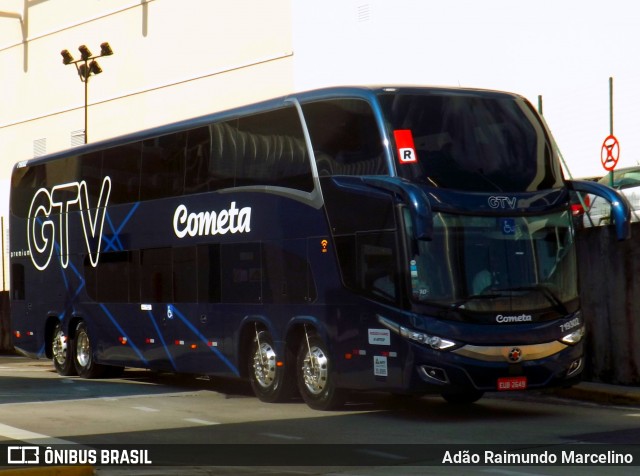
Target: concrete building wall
173 59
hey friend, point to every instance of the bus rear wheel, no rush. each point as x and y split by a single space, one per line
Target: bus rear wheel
316 381
83 359
270 382
61 347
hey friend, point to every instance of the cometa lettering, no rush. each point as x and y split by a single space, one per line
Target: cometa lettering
233 220
521 318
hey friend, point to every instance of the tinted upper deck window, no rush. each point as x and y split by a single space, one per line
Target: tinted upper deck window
345 137
262 149
474 142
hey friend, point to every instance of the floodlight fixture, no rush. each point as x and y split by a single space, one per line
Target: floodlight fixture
66 57
84 52
94 68
105 49
84 72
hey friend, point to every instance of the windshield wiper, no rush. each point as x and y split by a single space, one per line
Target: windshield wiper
494 293
558 305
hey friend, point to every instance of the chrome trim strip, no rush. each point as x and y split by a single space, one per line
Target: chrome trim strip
501 353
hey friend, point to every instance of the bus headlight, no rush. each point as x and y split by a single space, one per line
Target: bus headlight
435 342
573 337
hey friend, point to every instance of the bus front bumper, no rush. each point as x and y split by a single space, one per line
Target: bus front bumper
498 368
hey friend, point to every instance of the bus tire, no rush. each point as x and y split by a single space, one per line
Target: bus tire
316 381
83 359
270 383
61 350
463 398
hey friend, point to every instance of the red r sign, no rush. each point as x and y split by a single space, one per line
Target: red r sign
405 147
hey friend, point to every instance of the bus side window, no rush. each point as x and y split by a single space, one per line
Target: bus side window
241 264
91 173
270 150
185 274
208 270
198 176
122 164
17 281
24 182
156 279
368 262
115 279
345 137
287 277
377 265
163 162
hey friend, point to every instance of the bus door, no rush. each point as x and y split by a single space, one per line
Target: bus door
367 247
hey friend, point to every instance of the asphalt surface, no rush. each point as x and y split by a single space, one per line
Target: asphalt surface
600 393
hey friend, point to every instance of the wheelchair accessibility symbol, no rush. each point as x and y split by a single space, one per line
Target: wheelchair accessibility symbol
508 226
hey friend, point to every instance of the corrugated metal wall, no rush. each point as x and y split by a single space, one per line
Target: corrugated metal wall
610 290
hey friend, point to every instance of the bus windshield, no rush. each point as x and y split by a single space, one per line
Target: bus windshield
522 263
474 142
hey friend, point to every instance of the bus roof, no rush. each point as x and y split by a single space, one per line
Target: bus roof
359 91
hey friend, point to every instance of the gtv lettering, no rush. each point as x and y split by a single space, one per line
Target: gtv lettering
60 201
232 220
502 202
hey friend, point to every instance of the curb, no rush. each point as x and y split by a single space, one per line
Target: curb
600 393
50 471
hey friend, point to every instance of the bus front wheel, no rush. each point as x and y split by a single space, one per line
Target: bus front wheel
61 347
271 379
86 366
316 381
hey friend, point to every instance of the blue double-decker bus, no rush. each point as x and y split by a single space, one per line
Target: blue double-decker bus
401 239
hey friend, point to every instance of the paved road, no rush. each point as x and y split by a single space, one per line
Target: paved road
206 423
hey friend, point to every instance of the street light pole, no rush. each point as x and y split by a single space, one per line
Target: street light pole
86 66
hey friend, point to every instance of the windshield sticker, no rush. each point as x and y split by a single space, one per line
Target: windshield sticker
380 366
508 226
379 337
405 146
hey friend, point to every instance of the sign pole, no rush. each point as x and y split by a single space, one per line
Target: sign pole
610 151
611 121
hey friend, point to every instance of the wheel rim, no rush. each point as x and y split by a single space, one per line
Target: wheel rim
315 370
83 353
264 365
59 347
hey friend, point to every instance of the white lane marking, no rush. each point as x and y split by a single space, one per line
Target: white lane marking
14 433
282 437
201 422
146 409
113 399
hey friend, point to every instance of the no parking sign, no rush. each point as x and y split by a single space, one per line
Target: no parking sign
610 153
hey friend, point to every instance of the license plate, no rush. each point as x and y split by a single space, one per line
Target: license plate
506 384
